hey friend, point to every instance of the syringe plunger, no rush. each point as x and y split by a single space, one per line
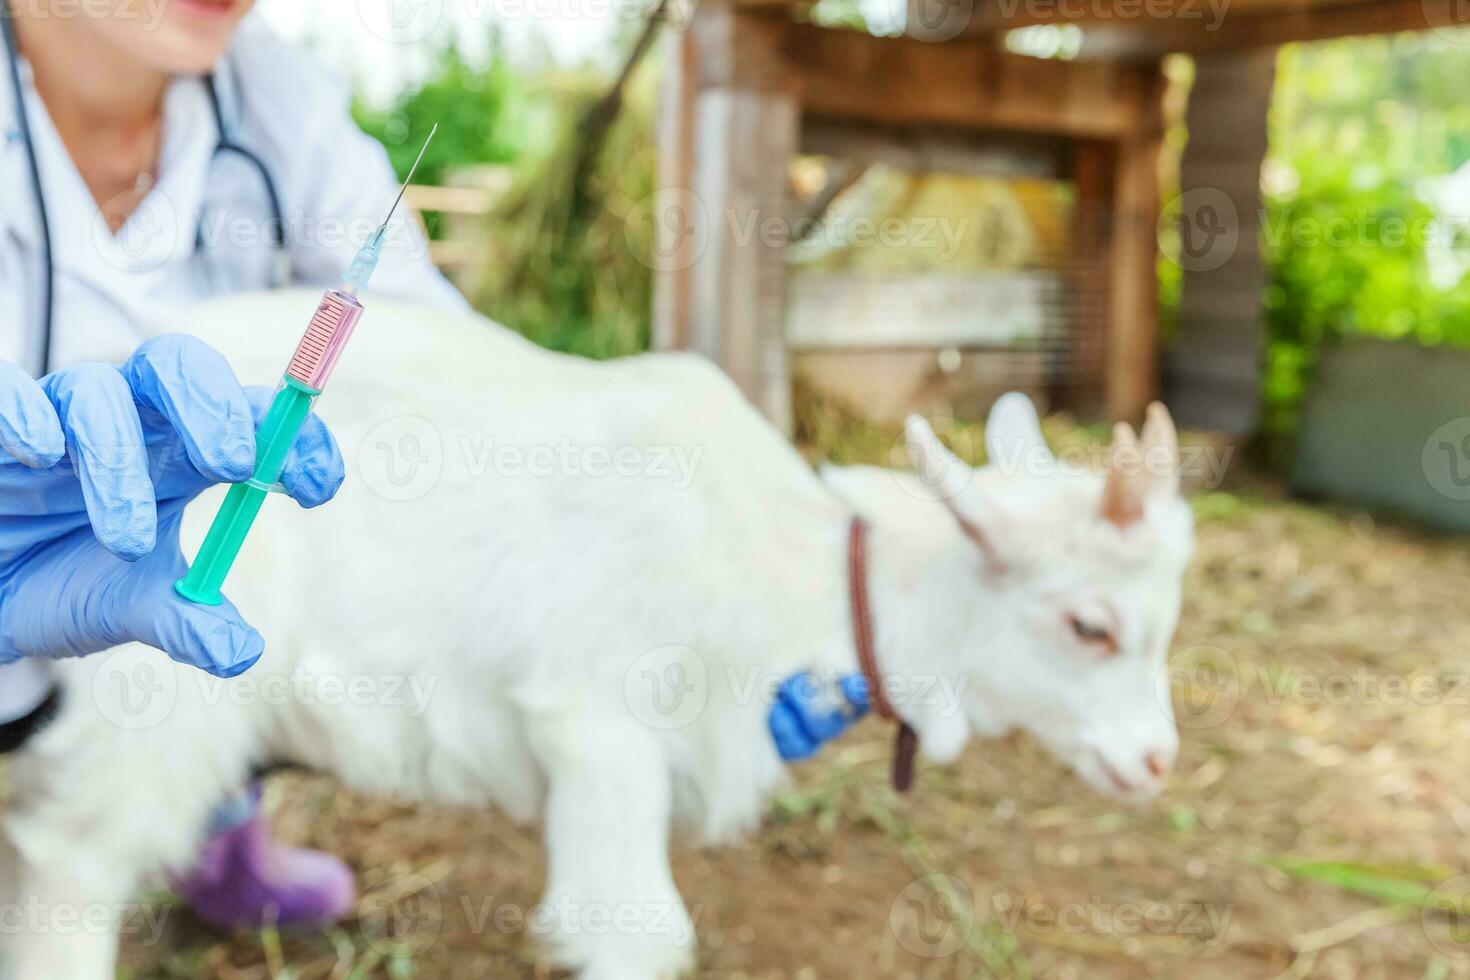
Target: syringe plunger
326 335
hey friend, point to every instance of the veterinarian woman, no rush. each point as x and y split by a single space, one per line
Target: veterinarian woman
155 154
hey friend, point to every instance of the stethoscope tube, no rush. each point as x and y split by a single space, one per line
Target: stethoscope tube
225 145
48 282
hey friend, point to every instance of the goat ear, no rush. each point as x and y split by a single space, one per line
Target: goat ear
1160 451
948 477
1124 487
1013 432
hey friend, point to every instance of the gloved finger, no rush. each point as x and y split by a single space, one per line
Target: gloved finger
822 720
29 429
213 638
314 470
815 706
191 384
792 743
800 688
104 439
855 690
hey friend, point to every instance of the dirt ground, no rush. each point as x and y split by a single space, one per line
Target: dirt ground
1315 826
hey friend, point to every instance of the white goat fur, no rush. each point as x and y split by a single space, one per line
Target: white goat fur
525 601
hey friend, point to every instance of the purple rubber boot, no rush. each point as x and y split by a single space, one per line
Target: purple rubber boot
242 878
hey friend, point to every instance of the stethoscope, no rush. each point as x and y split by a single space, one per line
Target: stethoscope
277 228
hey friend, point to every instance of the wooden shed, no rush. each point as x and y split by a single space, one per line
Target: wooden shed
752 84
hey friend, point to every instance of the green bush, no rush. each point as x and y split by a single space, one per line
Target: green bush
567 263
480 111
570 266
1356 127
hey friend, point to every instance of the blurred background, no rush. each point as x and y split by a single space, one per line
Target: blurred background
860 209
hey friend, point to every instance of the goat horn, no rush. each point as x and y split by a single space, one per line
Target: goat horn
1122 496
944 473
1161 449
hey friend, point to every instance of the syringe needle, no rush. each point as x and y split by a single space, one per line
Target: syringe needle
366 260
411 170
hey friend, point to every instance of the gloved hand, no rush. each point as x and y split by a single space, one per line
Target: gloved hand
96 464
808 713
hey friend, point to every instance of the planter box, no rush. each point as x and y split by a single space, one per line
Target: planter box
1387 425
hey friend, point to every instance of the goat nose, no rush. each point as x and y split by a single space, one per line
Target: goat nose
1159 763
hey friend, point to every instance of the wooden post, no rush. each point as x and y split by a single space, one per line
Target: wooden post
1131 366
728 130
743 140
1081 386
1213 369
674 246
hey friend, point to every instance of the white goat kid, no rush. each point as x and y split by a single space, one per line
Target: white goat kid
567 589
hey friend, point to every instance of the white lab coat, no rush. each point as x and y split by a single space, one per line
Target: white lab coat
203 229
334 182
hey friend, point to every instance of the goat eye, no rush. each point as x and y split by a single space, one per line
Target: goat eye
1088 633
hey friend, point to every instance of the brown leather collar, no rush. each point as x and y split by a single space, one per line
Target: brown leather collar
907 741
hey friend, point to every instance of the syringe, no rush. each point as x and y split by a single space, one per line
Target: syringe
316 355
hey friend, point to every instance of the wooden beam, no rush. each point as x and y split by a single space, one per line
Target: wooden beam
969 84
925 148
1147 40
739 47
990 17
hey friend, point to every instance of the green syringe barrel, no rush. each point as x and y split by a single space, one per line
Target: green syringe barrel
273 441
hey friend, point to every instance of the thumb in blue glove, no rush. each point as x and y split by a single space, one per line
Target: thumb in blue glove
96 465
807 713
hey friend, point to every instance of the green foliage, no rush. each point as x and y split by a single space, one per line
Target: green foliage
569 261
480 112
571 267
1410 886
1356 126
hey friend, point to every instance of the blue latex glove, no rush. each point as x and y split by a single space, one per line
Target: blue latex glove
96 464
807 713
